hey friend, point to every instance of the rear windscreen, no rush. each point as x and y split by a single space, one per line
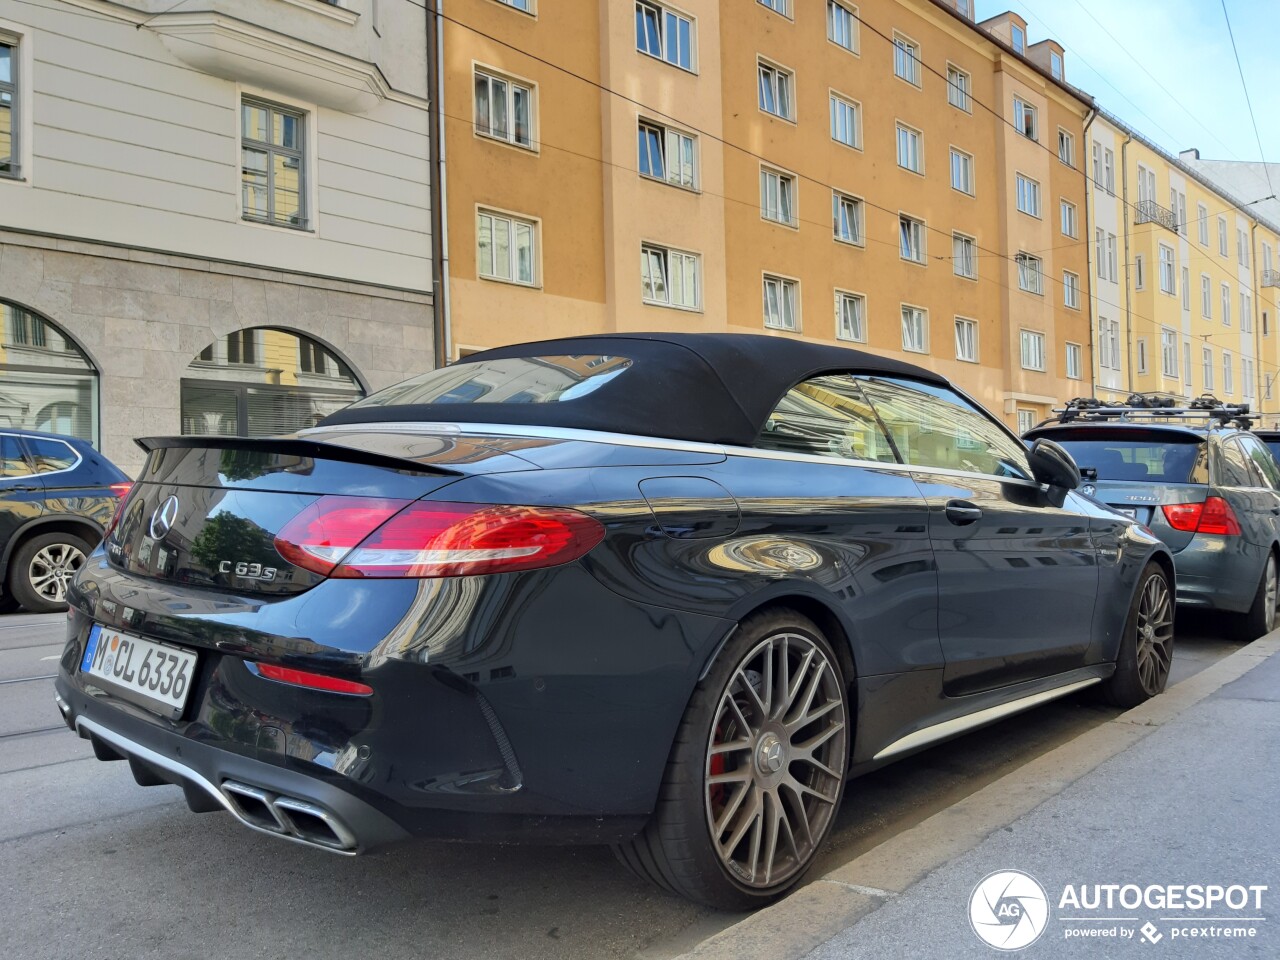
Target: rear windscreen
1274 447
1155 460
512 380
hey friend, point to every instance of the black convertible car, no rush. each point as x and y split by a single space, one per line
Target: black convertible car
665 592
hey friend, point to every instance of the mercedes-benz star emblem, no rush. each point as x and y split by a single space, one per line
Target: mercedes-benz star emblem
163 517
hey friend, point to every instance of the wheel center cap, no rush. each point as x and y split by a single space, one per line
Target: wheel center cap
769 754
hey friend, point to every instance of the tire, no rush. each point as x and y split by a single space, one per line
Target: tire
1146 648
41 569
775 789
1261 616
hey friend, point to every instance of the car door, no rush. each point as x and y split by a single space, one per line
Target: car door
1249 468
1017 576
70 484
21 491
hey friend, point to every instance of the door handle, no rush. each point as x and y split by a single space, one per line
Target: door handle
962 512
29 487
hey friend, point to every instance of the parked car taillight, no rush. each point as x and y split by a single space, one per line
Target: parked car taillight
121 490
1213 516
372 537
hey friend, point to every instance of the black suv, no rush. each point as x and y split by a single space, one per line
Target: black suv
57 495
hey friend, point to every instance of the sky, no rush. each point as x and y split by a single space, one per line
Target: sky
1166 68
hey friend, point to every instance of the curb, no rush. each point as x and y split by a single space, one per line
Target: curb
827 905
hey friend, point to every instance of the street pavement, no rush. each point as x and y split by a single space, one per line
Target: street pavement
93 865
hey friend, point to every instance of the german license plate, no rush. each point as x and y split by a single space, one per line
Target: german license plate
154 675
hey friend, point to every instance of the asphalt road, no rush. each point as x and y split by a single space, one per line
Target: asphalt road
93 865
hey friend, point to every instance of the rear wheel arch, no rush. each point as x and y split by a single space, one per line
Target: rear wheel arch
66 523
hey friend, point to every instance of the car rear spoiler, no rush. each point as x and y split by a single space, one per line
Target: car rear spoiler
296 447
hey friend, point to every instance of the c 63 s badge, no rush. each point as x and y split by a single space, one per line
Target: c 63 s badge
248 571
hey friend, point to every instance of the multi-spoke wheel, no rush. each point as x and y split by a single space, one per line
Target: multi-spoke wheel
1146 648
43 567
1261 616
757 770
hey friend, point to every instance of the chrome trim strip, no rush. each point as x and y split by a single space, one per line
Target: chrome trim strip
949 728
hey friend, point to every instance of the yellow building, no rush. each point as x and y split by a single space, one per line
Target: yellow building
890 174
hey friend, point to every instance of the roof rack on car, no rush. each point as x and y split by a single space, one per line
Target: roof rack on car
1148 407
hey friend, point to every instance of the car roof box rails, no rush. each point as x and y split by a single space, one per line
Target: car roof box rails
1141 407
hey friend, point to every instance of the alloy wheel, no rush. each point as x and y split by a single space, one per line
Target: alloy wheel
1155 635
52 568
775 759
1272 593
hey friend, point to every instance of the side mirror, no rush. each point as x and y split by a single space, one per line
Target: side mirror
1052 465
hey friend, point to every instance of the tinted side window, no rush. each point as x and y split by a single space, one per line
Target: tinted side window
1263 464
12 463
50 455
827 417
936 427
1233 468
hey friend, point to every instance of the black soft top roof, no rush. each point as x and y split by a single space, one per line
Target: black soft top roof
710 387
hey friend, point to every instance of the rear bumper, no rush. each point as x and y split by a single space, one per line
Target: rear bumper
1219 573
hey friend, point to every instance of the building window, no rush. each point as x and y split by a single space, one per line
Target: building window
272 164
1246 377
961 171
1169 353
1032 350
1113 267
959 87
1206 297
851 316
1029 277
906 59
1019 39
1070 290
1242 247
1109 171
775 90
777 196
1167 281
964 256
1066 148
1140 272
1069 223
1074 366
915 330
778 6
504 109
842 25
1222 236
781 307
1206 363
1225 292
1182 213
1097 163
1186 289
506 248
1028 195
667 154
9 100
670 278
1024 118
911 239
1146 185
910 154
1055 64
846 218
1246 312
1186 364
1099 252
664 34
1202 222
1142 354
1228 374
966 340
525 5
46 382
1109 343
846 121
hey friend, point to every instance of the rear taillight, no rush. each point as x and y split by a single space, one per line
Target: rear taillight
313 681
1213 516
362 537
121 491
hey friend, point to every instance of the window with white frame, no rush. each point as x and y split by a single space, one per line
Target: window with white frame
1206 297
911 238
1242 247
1225 300
1246 311
506 248
1266 257
1222 237
961 171
781 306
1167 276
1202 224
1169 352
851 316
1100 252
1055 64
1070 225
1028 192
1030 278
846 121
1186 363
10 152
1182 213
1026 419
1070 290
1206 367
1109 343
777 196
1141 350
1075 368
1140 272
966 340
1097 163
273 164
775 90
964 256
525 5
1025 119
667 154
842 25
1228 373
1113 269
846 218
1109 171
1246 377
1066 148
778 6
670 278
1146 185
915 329
1019 38
1186 289
1032 350
959 88
906 59
665 34
504 109
910 152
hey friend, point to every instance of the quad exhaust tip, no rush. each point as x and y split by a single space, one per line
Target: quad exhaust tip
287 816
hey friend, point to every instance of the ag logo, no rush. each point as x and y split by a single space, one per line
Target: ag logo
1088 489
1008 910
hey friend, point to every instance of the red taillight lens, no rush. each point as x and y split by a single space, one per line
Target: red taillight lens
121 490
313 681
358 537
1213 516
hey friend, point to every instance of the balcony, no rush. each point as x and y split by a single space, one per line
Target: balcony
1271 278
1148 211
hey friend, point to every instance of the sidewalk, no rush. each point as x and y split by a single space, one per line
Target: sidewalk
1184 790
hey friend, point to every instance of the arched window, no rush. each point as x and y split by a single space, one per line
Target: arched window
46 381
261 381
